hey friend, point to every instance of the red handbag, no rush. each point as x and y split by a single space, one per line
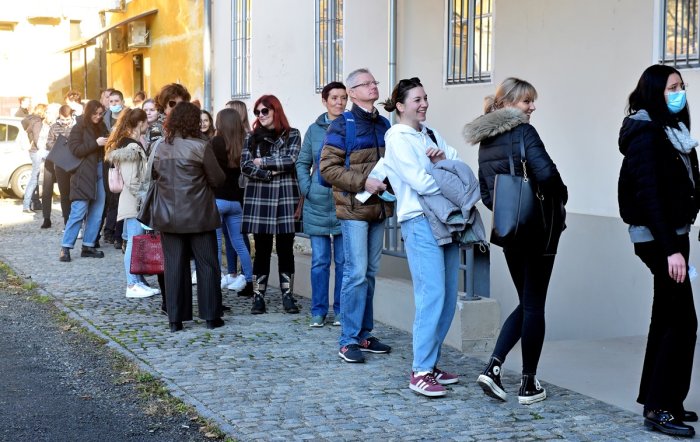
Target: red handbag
147 254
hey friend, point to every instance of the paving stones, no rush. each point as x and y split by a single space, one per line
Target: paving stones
271 377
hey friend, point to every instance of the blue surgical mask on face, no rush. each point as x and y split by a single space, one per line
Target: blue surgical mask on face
676 101
116 108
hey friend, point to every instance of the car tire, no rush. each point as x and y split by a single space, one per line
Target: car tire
20 179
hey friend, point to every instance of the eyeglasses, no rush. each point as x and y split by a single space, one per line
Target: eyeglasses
366 84
264 111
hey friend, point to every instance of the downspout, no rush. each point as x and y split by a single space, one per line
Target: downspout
392 50
206 44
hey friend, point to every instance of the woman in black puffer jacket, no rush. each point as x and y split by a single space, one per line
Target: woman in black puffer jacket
500 131
658 194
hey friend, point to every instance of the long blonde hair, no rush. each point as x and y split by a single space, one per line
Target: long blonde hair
510 91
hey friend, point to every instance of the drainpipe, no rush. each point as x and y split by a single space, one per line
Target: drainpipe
392 50
206 44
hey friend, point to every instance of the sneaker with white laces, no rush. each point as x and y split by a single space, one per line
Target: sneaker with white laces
237 284
226 280
445 378
427 385
155 291
194 277
530 390
138 291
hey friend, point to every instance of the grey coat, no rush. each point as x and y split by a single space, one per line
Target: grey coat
452 211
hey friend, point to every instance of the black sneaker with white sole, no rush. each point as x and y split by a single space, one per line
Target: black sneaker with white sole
373 345
351 353
490 380
530 390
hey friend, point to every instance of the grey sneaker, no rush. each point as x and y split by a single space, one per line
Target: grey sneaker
317 321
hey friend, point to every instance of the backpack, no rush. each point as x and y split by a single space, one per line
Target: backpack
350 138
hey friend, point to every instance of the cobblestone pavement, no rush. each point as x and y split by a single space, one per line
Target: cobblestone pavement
272 377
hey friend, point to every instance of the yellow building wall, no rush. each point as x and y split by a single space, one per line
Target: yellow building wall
175 55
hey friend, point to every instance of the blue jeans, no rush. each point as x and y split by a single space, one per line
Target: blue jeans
321 272
362 243
132 227
434 271
231 216
33 180
91 211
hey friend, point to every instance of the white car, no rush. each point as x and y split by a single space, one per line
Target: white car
15 165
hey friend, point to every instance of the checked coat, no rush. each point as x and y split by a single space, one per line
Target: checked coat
272 193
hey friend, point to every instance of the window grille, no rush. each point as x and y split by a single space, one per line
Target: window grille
240 48
679 45
469 37
329 42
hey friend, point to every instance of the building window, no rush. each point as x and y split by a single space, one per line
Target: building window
679 45
240 48
469 32
329 42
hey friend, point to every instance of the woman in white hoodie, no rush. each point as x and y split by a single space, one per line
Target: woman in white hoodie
411 150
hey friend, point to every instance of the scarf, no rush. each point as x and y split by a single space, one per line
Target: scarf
680 138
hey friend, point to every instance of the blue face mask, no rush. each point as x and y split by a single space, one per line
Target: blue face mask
388 197
116 108
676 101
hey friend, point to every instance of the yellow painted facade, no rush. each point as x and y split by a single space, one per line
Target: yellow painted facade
175 52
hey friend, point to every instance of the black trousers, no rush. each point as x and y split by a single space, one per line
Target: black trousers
263 252
53 174
530 274
177 249
668 361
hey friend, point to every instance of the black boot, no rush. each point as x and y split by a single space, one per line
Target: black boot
259 287
530 390
287 286
247 290
667 423
91 252
490 380
46 224
215 323
64 256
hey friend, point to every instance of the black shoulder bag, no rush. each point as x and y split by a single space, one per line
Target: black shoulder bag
518 215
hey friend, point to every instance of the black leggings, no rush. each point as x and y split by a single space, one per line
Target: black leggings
263 251
53 174
530 274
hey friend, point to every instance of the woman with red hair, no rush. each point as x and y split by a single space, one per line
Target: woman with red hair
270 198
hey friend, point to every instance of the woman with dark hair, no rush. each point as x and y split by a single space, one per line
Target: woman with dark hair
52 173
503 131
412 152
87 191
125 152
206 125
658 194
319 219
228 145
185 172
271 197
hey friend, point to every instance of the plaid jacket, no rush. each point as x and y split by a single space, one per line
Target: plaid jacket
272 193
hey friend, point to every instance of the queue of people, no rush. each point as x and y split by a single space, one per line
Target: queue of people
219 178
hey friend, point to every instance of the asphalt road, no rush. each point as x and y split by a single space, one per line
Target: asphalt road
59 385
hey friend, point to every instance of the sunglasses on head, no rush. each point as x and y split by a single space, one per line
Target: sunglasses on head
264 111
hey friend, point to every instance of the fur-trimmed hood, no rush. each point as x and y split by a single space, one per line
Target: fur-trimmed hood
493 123
130 152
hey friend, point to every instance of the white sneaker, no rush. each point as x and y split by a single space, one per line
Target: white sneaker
238 284
138 291
155 291
227 280
194 277
80 234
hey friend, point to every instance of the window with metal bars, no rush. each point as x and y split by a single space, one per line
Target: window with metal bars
240 48
329 42
679 45
469 40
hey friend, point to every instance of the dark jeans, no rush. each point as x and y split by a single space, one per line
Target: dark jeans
263 251
177 249
53 175
530 274
668 361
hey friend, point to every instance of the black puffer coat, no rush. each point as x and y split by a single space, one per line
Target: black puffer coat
654 189
499 133
83 143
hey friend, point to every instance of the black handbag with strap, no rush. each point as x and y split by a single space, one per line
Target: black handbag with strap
61 156
518 214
